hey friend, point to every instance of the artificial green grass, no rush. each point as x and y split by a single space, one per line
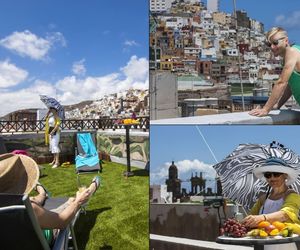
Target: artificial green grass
117 214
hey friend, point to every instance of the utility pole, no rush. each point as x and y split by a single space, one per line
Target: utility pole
239 58
155 66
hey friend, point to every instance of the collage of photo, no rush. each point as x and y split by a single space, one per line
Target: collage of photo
150 125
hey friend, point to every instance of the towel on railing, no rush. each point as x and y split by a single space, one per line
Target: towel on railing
90 156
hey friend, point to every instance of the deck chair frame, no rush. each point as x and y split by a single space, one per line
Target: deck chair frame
79 150
19 207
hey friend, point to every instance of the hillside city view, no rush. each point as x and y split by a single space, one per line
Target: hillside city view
122 104
211 55
132 102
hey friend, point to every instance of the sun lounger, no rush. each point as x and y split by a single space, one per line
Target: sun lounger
87 159
20 228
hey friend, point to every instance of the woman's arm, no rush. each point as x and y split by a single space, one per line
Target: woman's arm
253 220
51 220
277 216
48 113
291 207
288 212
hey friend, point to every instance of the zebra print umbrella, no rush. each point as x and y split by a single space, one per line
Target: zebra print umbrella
236 171
51 102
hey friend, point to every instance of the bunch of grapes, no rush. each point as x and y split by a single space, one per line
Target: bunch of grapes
233 228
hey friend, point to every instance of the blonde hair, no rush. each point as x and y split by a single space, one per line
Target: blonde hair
274 31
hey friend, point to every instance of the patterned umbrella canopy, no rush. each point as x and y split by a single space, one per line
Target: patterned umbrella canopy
51 102
236 171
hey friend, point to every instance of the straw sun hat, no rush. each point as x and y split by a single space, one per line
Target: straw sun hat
279 166
18 174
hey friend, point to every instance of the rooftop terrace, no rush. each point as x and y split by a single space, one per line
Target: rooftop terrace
117 214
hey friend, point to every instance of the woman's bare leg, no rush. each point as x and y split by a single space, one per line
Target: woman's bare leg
57 159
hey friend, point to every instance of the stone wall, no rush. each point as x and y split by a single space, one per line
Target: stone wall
113 143
109 143
34 144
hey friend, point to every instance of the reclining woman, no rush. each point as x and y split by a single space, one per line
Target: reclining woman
19 175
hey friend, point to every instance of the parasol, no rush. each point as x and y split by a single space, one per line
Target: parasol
51 102
236 171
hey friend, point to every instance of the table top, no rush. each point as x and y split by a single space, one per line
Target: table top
248 240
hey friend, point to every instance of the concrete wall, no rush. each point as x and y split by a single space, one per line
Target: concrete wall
163 95
108 143
158 245
192 221
276 117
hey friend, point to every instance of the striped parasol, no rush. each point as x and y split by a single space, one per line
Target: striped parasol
236 171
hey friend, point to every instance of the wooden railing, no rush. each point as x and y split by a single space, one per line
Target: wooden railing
84 124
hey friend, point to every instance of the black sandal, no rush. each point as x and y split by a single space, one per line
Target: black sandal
46 191
96 180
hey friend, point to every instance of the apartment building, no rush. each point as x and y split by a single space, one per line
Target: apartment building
160 5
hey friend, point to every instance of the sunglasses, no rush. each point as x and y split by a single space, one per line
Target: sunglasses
268 175
275 42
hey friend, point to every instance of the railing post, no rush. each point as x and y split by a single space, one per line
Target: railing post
128 172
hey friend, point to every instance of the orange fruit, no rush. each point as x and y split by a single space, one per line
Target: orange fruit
264 224
279 225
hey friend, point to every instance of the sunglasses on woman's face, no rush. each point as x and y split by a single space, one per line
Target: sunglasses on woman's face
268 175
275 42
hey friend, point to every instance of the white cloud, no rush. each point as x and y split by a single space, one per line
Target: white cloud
131 43
133 75
136 68
185 169
290 21
78 68
11 75
56 37
71 89
28 44
25 98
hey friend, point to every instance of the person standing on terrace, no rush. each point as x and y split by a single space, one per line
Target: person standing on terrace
52 135
288 83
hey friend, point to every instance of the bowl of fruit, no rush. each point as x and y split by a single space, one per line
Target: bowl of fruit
264 229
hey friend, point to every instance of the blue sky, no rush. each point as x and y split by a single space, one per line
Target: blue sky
270 12
72 50
185 146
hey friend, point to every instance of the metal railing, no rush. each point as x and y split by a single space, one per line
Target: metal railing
84 124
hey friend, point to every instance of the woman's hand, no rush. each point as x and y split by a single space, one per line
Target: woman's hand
82 197
252 220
